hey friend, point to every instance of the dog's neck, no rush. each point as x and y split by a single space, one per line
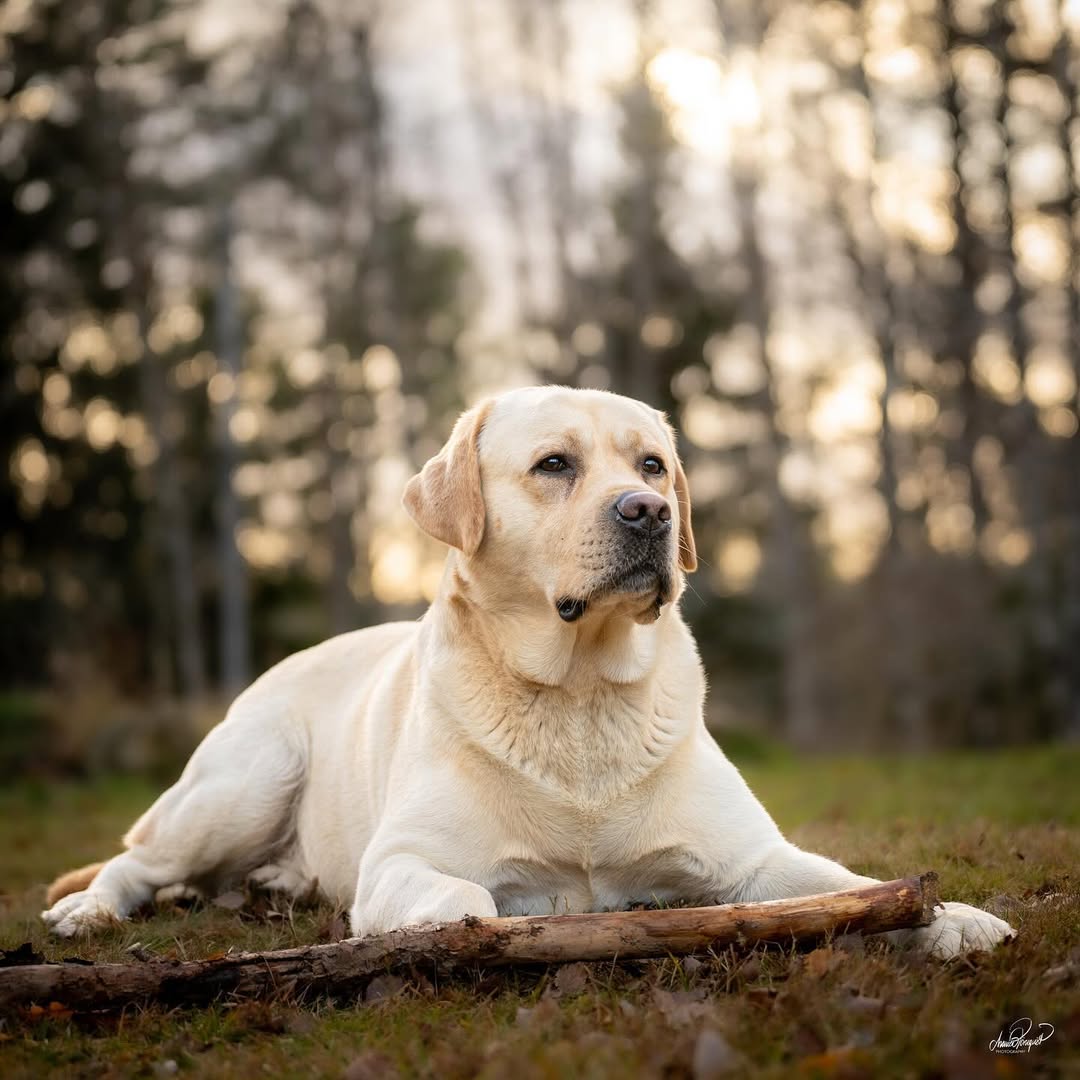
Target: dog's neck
583 706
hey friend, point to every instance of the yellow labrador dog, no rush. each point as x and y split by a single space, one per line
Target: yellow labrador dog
534 744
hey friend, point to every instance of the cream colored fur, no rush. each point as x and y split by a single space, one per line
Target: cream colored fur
492 758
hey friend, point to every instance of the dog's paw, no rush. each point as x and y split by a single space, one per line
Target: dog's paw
452 903
79 913
960 928
180 894
275 878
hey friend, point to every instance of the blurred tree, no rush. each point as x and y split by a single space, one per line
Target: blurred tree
69 517
129 330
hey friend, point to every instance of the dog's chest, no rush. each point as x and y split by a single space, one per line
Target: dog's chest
557 857
548 887
591 748
583 818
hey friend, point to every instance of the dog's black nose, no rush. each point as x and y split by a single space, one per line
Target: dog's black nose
643 510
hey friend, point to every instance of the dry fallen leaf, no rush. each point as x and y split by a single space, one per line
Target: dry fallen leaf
543 1012
1062 975
761 995
691 965
714 1056
862 1005
370 1065
852 944
230 901
257 1016
681 1006
569 979
53 1011
750 968
334 929
807 1041
299 1023
596 1042
1001 905
383 987
841 1062
821 961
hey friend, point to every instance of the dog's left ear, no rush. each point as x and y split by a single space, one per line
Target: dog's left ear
687 547
445 498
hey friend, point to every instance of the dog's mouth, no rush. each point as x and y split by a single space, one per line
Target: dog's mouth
648 578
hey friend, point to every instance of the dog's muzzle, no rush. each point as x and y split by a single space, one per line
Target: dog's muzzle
640 561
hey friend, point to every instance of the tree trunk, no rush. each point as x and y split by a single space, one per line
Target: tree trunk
1025 445
173 529
1068 651
964 319
554 143
888 312
233 588
506 175
789 556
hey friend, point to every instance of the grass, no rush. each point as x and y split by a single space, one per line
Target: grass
1000 828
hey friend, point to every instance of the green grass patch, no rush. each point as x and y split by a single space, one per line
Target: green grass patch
1001 828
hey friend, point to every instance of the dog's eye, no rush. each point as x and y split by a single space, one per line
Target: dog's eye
653 466
554 463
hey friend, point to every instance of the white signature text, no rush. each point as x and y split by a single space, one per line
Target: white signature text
1017 1039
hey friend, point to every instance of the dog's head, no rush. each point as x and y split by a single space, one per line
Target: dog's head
574 497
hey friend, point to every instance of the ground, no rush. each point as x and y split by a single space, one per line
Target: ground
1002 830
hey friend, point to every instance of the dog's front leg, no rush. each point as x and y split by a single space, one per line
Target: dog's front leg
785 870
407 890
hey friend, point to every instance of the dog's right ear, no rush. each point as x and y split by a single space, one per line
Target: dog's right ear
687 545
445 498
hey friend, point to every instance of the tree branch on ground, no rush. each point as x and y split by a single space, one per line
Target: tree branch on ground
343 968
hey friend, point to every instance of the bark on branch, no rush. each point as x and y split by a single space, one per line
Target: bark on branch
343 968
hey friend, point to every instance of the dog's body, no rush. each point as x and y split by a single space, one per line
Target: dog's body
534 744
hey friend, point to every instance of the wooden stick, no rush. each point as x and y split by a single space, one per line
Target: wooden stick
345 967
